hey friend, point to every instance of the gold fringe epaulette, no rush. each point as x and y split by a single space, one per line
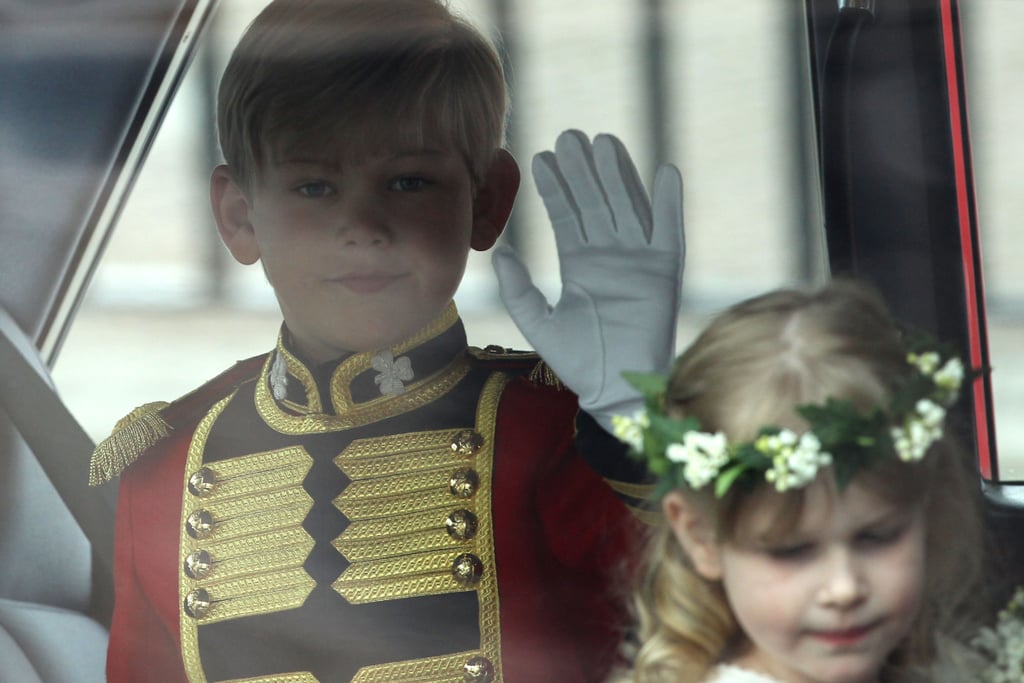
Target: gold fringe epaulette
132 435
149 423
543 374
539 373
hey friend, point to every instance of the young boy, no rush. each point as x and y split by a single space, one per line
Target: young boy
372 500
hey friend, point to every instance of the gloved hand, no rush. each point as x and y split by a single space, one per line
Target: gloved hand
621 265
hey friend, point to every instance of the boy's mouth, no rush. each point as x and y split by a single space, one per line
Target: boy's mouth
366 283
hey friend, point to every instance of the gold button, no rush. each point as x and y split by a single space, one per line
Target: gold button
478 670
464 482
197 603
461 525
467 569
199 524
198 564
202 482
467 442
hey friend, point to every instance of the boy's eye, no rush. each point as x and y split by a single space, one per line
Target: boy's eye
314 189
790 552
409 184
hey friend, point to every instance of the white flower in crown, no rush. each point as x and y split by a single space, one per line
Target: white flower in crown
949 377
926 362
394 372
630 430
795 461
1002 645
931 414
703 456
921 429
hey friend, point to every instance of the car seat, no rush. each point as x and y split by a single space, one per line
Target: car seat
55 580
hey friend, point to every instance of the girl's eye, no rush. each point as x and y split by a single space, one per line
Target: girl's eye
881 537
314 189
409 184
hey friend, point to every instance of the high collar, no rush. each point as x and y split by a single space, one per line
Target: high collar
361 387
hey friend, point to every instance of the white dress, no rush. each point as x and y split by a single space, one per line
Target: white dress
727 673
956 665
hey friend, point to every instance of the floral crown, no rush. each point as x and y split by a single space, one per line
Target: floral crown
681 455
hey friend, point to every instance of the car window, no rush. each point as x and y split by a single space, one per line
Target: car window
993 58
718 87
167 304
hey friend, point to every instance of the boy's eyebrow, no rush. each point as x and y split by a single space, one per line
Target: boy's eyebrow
430 152
302 159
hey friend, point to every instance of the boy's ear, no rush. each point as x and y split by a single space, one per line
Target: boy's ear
693 531
494 199
231 211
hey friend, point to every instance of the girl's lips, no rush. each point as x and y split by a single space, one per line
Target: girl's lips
843 637
368 283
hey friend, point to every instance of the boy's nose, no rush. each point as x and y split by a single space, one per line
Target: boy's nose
363 232
359 225
844 584
363 235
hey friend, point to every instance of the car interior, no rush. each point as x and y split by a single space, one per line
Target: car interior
84 86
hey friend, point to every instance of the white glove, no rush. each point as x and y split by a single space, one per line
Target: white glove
621 270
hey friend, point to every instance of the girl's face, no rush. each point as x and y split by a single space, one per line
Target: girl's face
829 601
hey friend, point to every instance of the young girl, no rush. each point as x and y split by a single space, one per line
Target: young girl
821 526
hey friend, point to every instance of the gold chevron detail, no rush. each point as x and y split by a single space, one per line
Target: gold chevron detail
276 548
256 545
444 669
397 501
394 535
361 508
299 677
271 591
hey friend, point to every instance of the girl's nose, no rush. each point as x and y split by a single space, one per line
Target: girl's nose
844 583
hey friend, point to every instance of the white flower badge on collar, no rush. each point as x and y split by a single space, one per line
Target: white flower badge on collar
394 372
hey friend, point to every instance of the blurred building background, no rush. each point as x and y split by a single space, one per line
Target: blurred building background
719 87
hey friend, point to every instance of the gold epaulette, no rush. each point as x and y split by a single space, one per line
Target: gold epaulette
149 423
132 435
543 374
637 498
528 362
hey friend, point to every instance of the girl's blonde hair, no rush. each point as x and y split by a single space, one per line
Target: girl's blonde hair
749 369
309 73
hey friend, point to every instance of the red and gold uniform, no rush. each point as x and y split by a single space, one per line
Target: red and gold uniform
419 515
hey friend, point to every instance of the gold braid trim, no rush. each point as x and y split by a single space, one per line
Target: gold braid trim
132 435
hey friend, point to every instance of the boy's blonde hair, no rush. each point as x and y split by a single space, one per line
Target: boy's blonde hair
364 73
749 369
